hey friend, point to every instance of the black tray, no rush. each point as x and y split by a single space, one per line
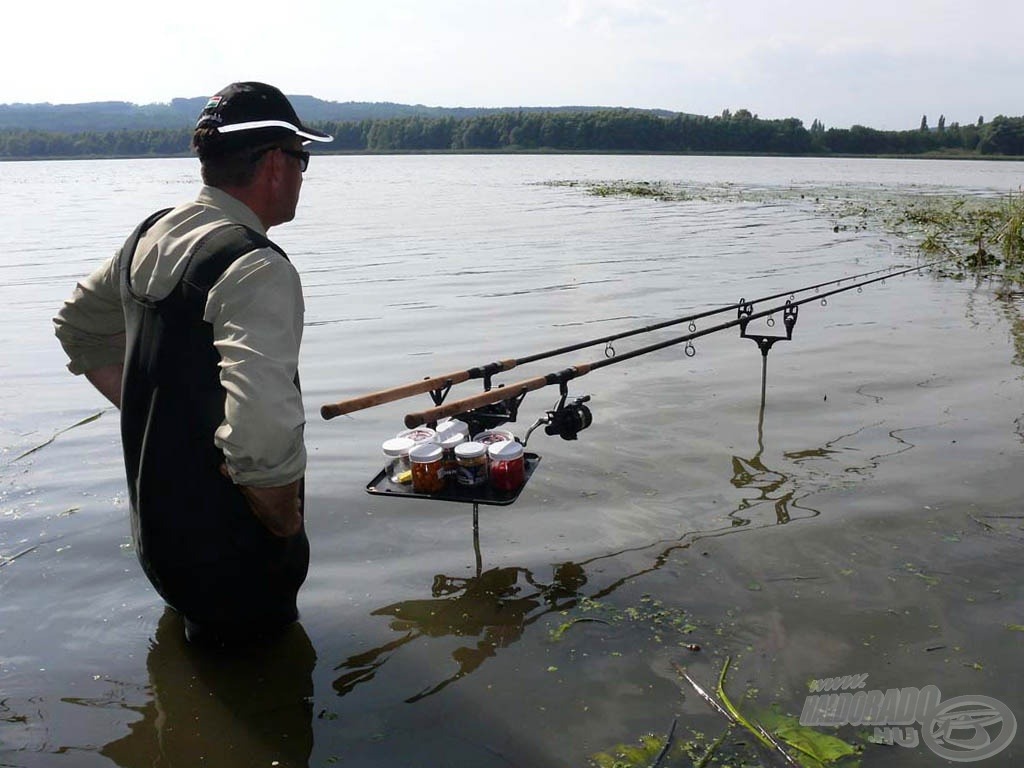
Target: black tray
382 486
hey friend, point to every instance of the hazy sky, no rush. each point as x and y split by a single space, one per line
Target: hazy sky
882 63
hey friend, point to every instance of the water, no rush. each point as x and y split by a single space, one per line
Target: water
889 448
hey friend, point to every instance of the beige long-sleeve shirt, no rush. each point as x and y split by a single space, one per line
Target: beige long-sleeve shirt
256 310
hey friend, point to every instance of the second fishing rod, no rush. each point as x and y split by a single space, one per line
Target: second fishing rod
439 386
513 394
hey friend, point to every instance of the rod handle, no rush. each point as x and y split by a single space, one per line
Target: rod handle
330 410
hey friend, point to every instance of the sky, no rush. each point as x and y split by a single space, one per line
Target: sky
879 63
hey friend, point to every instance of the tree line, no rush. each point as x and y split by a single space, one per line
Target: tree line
619 130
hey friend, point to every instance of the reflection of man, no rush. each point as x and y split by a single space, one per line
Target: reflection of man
496 605
250 707
193 331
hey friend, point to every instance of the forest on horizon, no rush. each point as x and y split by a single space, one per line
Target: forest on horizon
165 130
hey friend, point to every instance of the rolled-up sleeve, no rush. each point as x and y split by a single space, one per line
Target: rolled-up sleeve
90 325
256 309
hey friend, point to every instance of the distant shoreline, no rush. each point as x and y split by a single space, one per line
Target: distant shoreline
398 152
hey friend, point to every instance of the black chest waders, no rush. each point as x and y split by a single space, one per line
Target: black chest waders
196 538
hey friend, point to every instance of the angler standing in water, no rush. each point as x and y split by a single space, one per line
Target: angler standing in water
193 329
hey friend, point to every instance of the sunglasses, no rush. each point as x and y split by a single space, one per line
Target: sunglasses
299 154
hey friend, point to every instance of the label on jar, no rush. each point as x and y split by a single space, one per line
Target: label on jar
471 472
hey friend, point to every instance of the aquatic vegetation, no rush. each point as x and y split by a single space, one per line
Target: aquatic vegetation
980 235
654 189
976 234
808 748
58 433
642 754
654 751
649 614
667 191
812 748
778 734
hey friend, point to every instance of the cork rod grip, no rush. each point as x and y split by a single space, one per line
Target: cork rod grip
330 410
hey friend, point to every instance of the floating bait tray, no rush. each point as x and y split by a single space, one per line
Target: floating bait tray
381 485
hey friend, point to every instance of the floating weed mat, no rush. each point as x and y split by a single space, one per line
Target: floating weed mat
663 623
673 191
977 236
638 189
980 235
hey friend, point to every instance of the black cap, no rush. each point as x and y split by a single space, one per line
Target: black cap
244 107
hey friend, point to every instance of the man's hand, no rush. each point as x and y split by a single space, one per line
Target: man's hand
277 507
108 381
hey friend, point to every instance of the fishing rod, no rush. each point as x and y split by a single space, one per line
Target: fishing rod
440 386
568 419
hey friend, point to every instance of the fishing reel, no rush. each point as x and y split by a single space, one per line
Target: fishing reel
566 419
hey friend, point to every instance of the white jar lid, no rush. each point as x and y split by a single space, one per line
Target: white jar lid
424 453
450 439
470 450
506 450
449 427
397 446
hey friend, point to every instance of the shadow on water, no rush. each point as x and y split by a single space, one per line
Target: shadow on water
497 605
248 707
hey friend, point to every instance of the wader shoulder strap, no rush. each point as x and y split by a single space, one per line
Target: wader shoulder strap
128 249
215 251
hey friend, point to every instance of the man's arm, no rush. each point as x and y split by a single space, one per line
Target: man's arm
256 311
90 327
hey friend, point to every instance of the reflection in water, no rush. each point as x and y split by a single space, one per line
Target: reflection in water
245 707
497 605
752 473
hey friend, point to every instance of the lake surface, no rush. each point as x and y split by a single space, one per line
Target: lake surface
866 522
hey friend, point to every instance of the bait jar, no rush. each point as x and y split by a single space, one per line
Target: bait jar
471 464
427 476
396 458
449 440
508 465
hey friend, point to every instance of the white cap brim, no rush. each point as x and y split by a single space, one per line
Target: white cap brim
306 133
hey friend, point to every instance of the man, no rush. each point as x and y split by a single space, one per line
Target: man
193 331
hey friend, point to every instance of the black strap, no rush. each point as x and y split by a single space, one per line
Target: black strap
215 251
128 249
